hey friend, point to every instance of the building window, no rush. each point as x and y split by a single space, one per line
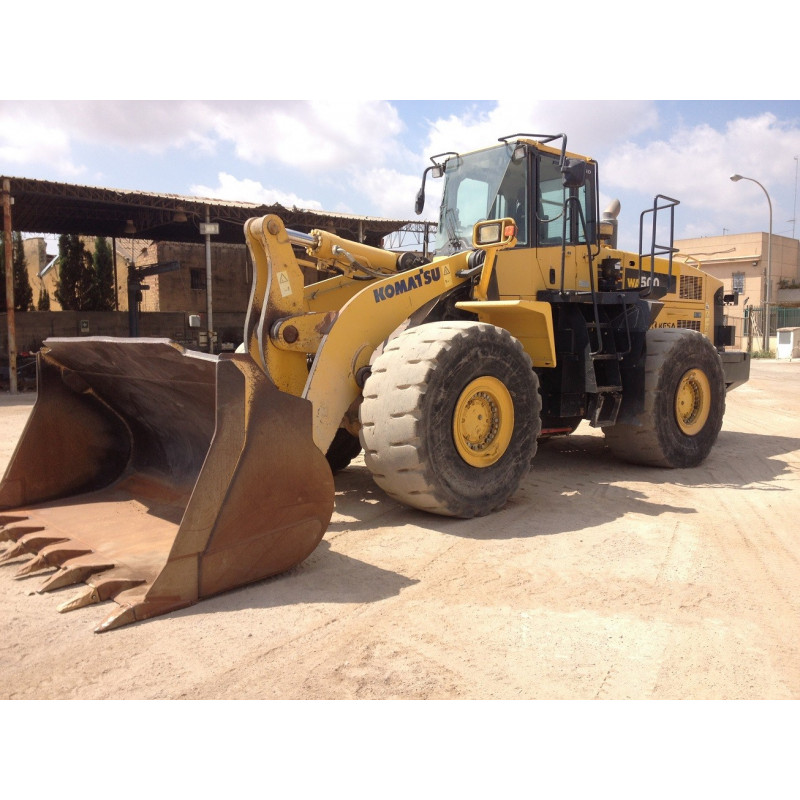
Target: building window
198 279
738 282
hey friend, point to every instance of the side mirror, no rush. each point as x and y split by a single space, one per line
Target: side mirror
575 173
437 170
419 203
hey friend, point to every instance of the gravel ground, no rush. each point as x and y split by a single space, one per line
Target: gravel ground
599 580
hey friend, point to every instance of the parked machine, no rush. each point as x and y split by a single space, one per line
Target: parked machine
159 476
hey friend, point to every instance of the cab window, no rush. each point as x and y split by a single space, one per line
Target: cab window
550 199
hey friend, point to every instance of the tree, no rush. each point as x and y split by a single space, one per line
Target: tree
43 303
76 275
23 294
103 262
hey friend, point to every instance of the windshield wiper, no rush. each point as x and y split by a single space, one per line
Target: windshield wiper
453 239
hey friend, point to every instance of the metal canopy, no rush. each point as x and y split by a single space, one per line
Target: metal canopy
50 207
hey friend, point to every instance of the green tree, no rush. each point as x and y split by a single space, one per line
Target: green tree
43 303
103 262
23 294
76 276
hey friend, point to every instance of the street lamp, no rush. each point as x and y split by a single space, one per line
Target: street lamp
767 294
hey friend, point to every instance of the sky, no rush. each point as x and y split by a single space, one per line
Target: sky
104 108
367 156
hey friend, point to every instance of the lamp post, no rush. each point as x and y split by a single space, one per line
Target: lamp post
768 292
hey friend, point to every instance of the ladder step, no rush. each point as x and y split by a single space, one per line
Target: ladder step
608 389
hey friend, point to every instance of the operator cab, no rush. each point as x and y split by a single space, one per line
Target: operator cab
552 198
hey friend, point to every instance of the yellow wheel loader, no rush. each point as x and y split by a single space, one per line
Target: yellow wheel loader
158 476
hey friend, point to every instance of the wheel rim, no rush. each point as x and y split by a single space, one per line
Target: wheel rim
693 401
483 422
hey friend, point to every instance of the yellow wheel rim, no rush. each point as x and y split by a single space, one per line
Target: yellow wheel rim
693 402
483 422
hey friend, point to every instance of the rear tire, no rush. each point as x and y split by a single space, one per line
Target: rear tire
450 418
684 403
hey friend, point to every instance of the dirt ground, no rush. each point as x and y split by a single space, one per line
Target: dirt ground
599 580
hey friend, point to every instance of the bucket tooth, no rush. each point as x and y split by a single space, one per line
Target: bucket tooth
87 597
15 551
122 615
37 542
6 519
16 533
104 588
70 575
34 565
53 554
29 542
59 553
110 585
127 613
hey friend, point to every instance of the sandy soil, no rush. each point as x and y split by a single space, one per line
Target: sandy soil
598 580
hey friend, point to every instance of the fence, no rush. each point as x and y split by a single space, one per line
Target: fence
751 328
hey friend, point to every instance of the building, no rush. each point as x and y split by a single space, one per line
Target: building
43 272
176 242
740 262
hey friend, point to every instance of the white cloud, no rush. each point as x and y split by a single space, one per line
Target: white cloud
246 190
309 135
390 193
25 140
695 163
590 125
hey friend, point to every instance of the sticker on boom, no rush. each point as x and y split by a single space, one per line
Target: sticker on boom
407 284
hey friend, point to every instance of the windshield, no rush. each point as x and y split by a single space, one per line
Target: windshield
487 184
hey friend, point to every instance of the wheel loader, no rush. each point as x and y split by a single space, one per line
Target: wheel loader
158 476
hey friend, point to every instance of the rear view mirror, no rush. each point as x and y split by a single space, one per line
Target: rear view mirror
437 170
575 173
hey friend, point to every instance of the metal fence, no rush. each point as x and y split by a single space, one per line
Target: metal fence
752 327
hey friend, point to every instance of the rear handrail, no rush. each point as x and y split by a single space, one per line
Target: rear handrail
657 249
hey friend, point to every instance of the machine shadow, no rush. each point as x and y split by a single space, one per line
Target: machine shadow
574 478
572 486
326 576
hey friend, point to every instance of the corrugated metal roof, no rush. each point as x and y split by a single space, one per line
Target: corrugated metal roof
50 207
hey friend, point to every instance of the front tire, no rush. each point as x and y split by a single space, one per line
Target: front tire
450 418
684 403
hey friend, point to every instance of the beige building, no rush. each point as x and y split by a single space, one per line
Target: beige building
740 262
183 289
43 272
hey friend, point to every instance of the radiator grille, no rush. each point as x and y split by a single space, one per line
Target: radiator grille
691 287
691 324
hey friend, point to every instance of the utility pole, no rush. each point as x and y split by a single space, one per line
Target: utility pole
794 212
209 229
9 264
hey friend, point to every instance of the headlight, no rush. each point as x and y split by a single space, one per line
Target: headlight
496 231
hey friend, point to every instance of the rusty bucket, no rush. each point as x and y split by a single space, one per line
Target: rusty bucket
159 476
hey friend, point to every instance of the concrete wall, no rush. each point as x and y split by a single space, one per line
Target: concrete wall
33 327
